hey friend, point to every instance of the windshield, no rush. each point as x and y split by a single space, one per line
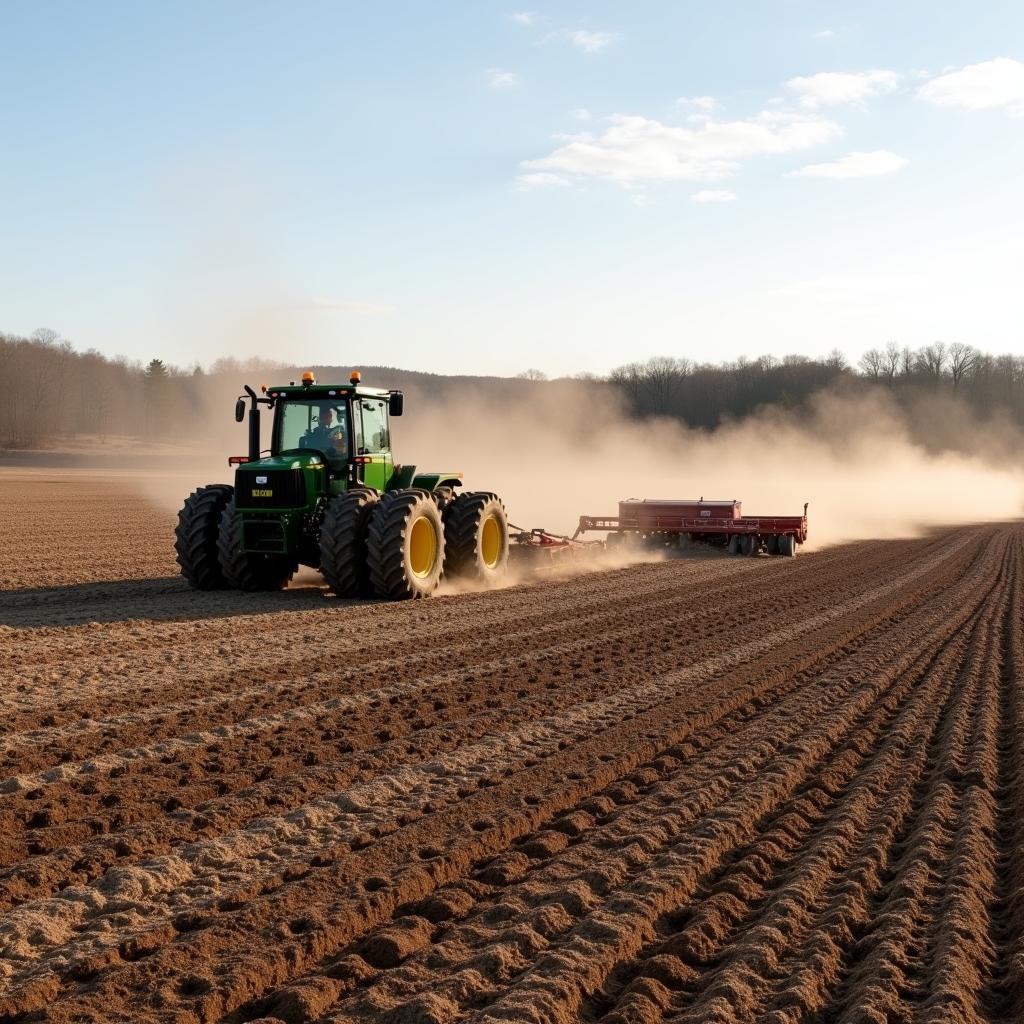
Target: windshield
314 424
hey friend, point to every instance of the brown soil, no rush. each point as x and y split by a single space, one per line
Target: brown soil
698 790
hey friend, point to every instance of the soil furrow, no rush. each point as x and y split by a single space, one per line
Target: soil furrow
573 970
806 936
760 903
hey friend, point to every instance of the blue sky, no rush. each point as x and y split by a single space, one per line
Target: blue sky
485 187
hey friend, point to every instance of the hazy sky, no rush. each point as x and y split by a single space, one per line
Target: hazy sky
484 187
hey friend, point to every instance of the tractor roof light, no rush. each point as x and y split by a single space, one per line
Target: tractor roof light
356 377
308 379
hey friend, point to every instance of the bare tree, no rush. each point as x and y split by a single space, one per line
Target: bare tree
962 361
836 360
872 364
892 360
663 375
932 359
532 374
630 379
907 361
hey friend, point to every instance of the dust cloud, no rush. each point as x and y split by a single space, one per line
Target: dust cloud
573 451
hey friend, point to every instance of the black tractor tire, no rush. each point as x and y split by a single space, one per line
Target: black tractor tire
787 545
244 570
405 545
343 542
751 546
476 537
735 541
772 544
195 537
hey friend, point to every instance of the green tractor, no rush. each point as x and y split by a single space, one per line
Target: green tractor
329 495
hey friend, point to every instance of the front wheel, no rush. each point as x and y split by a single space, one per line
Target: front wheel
245 570
476 537
405 545
195 537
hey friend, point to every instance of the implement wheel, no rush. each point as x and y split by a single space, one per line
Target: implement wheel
476 537
405 545
244 570
787 545
195 537
734 544
772 544
751 546
343 542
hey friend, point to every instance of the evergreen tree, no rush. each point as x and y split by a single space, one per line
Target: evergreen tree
156 380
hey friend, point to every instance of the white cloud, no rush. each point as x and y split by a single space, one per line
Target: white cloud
713 195
632 150
825 33
524 18
699 102
854 165
992 83
828 88
582 114
591 42
498 79
539 179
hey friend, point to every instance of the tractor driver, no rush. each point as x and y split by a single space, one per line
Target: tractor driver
327 435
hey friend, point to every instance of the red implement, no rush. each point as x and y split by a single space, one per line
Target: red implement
667 521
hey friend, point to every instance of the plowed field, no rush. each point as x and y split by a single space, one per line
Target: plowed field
705 790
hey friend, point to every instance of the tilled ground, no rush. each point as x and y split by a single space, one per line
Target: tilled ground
710 789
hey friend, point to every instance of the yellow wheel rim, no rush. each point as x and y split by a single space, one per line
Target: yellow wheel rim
490 542
422 547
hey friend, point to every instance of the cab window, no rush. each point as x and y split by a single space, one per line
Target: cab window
374 415
314 425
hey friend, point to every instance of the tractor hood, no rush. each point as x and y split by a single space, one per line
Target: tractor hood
287 460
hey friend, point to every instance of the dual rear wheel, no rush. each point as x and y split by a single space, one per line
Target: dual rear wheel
398 545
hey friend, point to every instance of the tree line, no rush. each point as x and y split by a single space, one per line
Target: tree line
703 394
50 391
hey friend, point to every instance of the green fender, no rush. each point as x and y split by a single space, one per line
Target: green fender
406 476
431 481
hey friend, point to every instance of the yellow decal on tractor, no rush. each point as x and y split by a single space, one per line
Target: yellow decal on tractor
262 492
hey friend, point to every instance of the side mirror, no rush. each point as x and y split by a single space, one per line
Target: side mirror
396 401
240 410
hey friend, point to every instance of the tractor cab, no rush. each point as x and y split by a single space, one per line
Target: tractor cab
346 426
